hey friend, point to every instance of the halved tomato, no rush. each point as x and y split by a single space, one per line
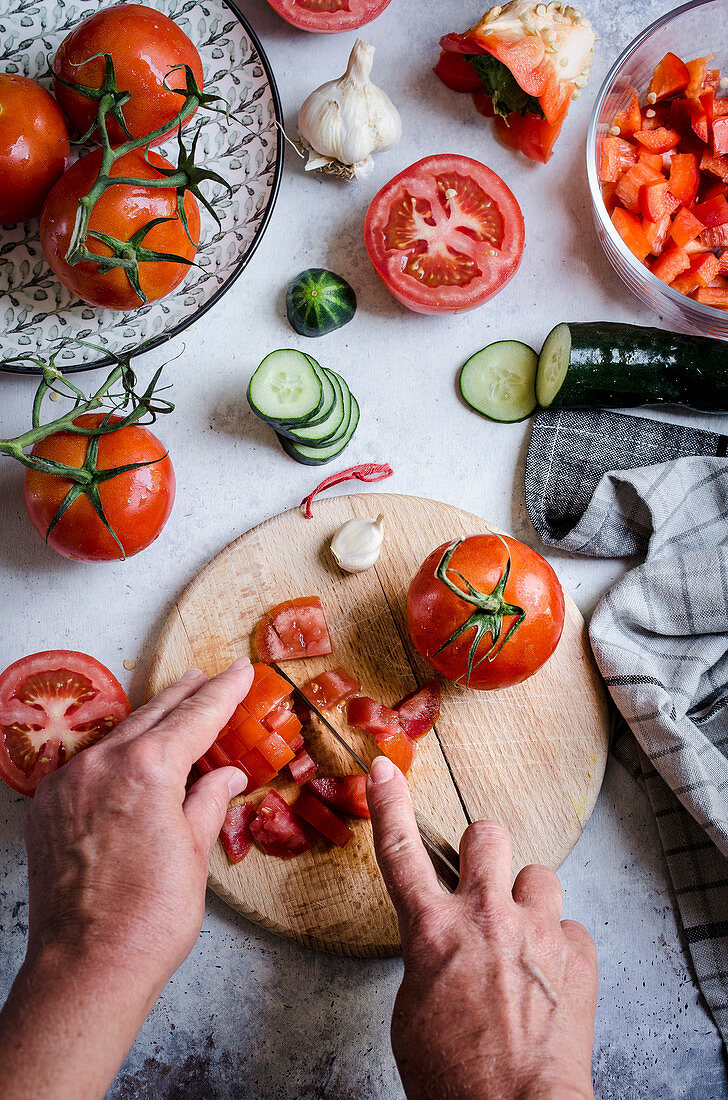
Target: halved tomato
444 235
53 705
329 16
293 629
235 835
277 831
347 793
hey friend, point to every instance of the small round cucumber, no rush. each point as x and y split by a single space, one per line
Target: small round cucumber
499 381
553 363
319 301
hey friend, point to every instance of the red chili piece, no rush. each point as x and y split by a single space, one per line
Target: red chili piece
368 471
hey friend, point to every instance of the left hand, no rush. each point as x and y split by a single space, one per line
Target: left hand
117 865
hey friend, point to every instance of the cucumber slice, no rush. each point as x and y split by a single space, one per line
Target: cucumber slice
286 387
317 456
553 363
335 423
328 401
319 301
498 381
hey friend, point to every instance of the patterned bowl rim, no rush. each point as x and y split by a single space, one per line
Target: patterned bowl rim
243 262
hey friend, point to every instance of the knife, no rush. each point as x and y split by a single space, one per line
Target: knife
445 859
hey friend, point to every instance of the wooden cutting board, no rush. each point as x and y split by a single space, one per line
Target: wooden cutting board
532 756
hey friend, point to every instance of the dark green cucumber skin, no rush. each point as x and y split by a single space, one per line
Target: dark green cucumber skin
625 366
304 320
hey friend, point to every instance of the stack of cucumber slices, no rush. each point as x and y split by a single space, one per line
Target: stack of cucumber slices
311 408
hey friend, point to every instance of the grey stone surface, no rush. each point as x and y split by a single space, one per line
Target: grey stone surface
250 1015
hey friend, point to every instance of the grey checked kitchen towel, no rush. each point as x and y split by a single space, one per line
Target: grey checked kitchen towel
609 485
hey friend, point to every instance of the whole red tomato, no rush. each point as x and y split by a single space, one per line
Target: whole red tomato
144 46
120 211
436 611
136 504
34 149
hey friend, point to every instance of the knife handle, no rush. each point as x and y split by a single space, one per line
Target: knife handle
445 859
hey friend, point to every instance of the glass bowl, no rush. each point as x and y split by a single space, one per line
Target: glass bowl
693 30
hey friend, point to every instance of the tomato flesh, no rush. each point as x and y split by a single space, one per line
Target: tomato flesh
137 504
308 807
34 147
372 718
293 629
277 831
266 692
400 750
329 16
419 711
144 45
445 235
53 705
435 612
346 793
303 768
328 689
235 835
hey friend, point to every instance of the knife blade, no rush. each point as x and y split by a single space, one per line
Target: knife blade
445 859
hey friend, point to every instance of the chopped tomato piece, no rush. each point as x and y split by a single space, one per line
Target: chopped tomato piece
685 227
720 135
267 691
278 718
630 119
235 835
655 200
322 819
277 830
660 140
247 729
284 722
529 134
628 188
717 166
670 264
457 73
293 629
712 212
712 296
302 768
670 77
630 230
684 177
656 233
400 750
419 711
347 793
371 717
697 71
276 751
328 689
260 770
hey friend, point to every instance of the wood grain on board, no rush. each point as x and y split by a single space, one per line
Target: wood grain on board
532 756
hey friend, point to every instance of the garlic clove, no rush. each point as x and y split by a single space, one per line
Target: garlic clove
345 121
357 543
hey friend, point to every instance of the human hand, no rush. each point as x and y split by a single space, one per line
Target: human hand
499 994
117 865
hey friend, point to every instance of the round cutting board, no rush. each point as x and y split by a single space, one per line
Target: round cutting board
532 756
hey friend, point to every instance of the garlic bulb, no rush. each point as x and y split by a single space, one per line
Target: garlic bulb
357 543
346 120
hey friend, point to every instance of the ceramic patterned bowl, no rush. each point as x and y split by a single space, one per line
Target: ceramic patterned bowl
36 311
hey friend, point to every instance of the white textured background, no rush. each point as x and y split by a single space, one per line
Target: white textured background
249 1015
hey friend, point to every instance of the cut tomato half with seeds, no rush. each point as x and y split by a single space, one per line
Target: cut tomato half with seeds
329 16
53 705
445 235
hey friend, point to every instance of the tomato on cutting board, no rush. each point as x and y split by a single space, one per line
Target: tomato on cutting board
121 212
329 16
53 705
145 46
444 235
330 688
346 793
34 147
277 830
136 504
485 611
293 629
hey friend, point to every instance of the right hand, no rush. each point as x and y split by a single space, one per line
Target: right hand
499 993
